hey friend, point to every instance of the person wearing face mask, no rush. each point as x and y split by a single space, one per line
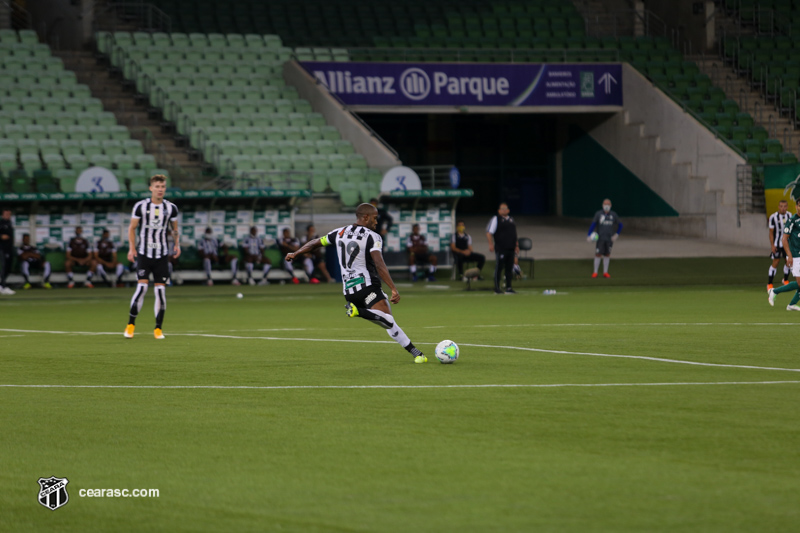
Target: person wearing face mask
461 246
604 223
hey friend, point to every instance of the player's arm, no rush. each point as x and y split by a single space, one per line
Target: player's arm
132 239
490 229
772 239
619 230
383 272
453 247
785 239
176 238
310 246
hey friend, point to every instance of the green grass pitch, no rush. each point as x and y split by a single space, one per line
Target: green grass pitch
275 412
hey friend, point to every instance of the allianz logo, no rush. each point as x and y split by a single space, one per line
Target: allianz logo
413 83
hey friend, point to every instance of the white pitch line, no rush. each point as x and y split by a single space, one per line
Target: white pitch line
491 346
475 386
655 324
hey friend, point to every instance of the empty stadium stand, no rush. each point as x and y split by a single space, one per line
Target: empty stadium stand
226 95
51 128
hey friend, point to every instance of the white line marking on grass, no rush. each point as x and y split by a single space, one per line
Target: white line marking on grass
6 336
474 386
520 348
654 324
275 329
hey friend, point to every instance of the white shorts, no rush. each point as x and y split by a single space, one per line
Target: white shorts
796 267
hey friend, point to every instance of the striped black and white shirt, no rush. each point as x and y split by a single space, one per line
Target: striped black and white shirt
252 245
778 222
209 246
354 245
154 224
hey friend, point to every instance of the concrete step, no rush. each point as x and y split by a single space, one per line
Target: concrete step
120 101
752 101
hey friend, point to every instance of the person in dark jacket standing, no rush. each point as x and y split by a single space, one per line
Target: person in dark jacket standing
6 249
502 235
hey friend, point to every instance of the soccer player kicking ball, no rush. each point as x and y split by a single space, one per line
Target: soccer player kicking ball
359 249
150 219
791 244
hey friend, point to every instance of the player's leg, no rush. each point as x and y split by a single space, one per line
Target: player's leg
101 271
25 268
508 267
379 313
90 267
159 308
160 275
235 271
458 264
68 264
412 266
265 271
597 257
4 271
433 262
772 293
480 260
46 275
136 305
248 268
498 269
118 271
773 269
207 267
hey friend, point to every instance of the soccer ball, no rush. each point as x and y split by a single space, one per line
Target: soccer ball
447 352
594 236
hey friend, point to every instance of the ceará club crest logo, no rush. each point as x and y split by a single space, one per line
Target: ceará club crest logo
415 84
53 492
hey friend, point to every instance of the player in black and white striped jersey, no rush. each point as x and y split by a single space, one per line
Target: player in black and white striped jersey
213 252
150 220
358 247
253 252
777 221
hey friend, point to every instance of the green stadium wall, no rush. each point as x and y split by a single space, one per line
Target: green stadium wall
590 174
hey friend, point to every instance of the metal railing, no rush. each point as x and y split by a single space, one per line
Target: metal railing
145 17
434 176
624 22
470 55
263 179
19 18
744 191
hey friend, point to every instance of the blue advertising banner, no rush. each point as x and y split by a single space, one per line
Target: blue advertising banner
471 84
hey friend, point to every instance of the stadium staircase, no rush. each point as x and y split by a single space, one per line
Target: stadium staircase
120 100
53 128
226 96
754 102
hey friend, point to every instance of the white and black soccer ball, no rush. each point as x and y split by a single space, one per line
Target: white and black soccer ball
594 236
447 352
